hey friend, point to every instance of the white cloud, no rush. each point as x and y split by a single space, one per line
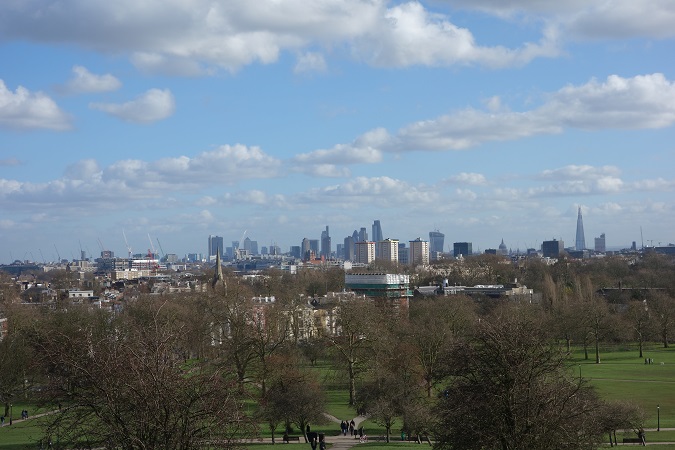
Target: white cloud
22 109
474 179
152 106
617 19
86 185
384 191
580 172
411 35
87 82
644 101
310 62
583 19
191 38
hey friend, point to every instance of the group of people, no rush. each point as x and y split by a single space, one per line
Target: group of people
349 426
24 415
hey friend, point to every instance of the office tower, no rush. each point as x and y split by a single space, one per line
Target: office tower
355 236
305 249
600 244
419 252
436 241
314 246
461 248
363 235
247 245
254 247
350 254
376 235
215 245
387 250
340 251
295 252
263 250
552 249
377 232
581 240
365 252
325 243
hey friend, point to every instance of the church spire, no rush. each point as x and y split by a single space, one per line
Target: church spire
218 273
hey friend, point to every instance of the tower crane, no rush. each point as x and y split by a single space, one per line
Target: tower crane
127 244
160 248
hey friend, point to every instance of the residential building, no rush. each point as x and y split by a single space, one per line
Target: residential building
364 252
419 252
387 250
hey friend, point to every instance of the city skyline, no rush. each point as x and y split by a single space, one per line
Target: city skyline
483 120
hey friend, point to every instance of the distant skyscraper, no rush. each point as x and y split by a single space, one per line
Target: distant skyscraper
377 232
581 240
305 248
363 235
325 243
436 241
462 248
215 245
349 249
376 236
600 246
314 246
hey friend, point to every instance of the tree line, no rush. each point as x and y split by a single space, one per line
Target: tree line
212 368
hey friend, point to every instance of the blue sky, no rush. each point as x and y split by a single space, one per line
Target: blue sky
484 119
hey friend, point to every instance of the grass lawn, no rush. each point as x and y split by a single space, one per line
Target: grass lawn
623 375
21 435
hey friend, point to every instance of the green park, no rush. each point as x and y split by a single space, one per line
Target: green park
577 367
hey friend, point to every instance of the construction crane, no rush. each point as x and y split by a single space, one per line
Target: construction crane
127 244
57 253
161 249
152 246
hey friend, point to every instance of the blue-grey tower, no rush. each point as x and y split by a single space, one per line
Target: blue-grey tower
377 232
581 240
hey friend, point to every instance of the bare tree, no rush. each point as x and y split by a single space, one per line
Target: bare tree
123 384
355 321
512 390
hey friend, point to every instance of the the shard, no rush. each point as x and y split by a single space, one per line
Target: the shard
581 240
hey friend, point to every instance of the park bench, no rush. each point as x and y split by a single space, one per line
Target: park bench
632 441
292 439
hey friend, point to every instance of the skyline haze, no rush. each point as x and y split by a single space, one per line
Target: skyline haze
481 119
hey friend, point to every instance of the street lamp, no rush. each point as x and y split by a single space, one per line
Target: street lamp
10 414
658 418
